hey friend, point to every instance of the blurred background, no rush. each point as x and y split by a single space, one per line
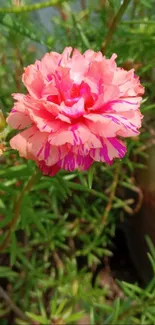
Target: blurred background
79 255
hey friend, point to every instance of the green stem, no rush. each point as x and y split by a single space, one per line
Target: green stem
13 306
112 195
17 207
136 308
114 25
27 8
142 21
14 25
81 33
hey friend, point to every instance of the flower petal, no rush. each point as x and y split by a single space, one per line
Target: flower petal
29 142
74 161
18 120
49 171
75 135
75 110
111 148
34 80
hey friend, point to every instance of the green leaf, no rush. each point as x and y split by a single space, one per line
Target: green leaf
42 320
151 246
6 272
62 305
116 310
147 3
75 317
148 108
15 171
5 219
90 176
29 216
13 249
53 306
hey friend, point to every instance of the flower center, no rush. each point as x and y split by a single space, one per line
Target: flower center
78 91
72 96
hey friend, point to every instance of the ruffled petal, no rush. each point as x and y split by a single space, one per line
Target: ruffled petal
74 161
29 142
110 124
74 135
34 80
48 171
18 120
75 110
111 148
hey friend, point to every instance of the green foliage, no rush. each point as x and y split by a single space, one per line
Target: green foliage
67 223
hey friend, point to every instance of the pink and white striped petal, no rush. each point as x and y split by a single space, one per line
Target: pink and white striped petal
29 142
75 135
74 161
111 148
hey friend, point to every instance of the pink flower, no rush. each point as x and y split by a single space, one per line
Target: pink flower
76 109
